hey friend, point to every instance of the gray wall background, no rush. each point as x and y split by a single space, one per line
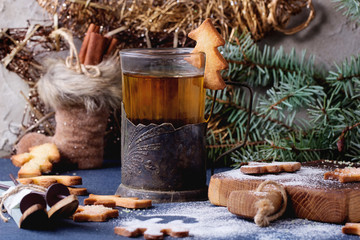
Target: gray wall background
330 36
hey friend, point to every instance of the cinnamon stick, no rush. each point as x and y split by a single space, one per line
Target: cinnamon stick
111 46
95 46
84 45
107 43
95 49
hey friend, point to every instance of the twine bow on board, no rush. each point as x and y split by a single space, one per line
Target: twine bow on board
265 206
72 61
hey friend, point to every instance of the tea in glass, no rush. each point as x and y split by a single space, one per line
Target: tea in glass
159 99
161 86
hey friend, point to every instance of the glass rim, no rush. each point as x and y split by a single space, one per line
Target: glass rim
157 52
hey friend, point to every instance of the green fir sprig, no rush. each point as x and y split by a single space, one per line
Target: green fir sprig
301 115
350 8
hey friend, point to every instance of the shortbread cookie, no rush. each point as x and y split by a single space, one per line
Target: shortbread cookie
47 180
208 40
274 167
351 228
344 175
151 233
94 213
115 200
78 191
39 160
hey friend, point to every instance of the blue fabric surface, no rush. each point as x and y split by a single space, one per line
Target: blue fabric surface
98 181
106 181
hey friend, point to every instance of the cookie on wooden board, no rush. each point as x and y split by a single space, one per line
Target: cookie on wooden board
274 167
344 175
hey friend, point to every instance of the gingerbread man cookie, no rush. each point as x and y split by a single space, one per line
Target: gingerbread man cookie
39 160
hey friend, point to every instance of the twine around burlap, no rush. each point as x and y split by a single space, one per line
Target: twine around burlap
72 84
265 207
72 61
15 190
82 97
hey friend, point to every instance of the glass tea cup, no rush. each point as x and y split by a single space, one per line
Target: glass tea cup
163 129
163 86
163 153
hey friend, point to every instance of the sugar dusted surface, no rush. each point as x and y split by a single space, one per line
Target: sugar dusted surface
206 221
257 164
95 209
306 177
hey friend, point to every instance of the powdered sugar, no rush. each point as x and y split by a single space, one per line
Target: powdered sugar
206 221
306 177
302 173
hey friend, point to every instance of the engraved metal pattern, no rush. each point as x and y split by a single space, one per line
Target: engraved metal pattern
162 158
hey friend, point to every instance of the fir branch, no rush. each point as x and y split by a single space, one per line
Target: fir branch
279 131
247 62
273 106
281 102
346 78
264 67
297 150
323 112
297 147
228 146
353 150
350 8
343 79
228 103
341 141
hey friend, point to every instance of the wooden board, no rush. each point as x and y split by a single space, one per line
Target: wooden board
309 195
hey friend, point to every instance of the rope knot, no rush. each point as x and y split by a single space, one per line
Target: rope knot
265 206
72 61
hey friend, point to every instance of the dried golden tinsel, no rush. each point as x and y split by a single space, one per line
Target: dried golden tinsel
24 63
154 23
